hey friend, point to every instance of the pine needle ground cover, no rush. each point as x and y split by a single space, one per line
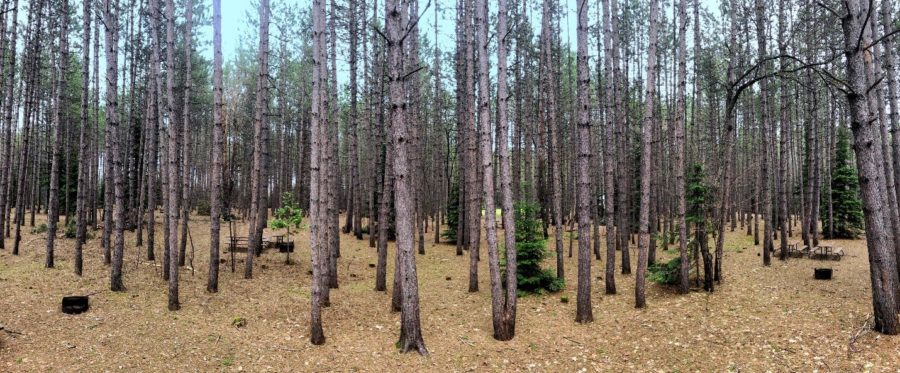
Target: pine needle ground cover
760 318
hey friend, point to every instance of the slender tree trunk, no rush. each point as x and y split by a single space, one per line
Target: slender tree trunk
646 153
783 213
254 237
61 102
186 132
8 109
584 312
768 244
353 184
218 142
317 336
83 139
553 125
473 202
609 152
681 210
172 161
153 132
113 154
507 314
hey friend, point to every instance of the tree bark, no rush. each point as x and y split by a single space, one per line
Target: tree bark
111 18
317 336
882 263
61 102
172 158
218 142
83 139
646 152
609 152
507 314
410 329
681 203
584 312
186 132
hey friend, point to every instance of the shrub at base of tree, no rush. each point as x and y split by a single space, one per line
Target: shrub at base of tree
668 273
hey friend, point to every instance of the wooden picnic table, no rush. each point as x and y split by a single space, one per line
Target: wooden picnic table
828 252
237 242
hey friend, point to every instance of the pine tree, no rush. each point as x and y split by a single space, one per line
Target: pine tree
846 205
452 214
531 251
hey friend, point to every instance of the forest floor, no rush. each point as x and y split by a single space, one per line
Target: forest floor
774 318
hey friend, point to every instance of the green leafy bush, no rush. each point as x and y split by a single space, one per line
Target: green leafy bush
41 228
71 229
666 273
288 215
203 208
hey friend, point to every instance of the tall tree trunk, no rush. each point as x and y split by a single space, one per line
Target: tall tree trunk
8 108
646 153
783 213
186 132
890 63
317 336
882 262
584 312
553 125
218 142
469 133
61 102
507 312
172 158
31 83
254 237
410 329
768 245
353 184
83 139
487 167
111 18
681 210
609 152
153 132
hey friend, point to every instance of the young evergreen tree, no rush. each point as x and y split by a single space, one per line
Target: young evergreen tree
846 205
531 251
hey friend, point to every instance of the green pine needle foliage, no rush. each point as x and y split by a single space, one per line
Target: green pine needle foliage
845 202
450 234
530 252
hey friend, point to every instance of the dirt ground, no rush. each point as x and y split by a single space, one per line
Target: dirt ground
773 318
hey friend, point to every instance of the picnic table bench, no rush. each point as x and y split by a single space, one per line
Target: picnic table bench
236 243
827 252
